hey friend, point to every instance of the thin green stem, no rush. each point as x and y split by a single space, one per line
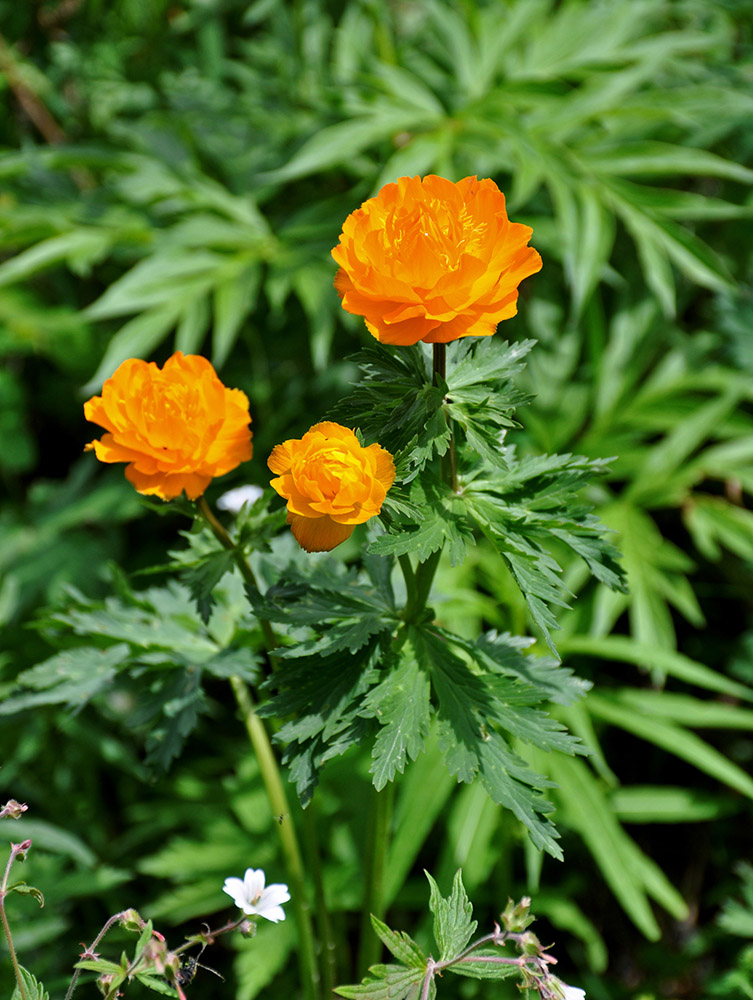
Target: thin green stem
376 863
6 925
449 461
288 841
272 780
270 640
324 924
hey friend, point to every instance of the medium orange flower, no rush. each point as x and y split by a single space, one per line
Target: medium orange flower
178 427
331 484
434 261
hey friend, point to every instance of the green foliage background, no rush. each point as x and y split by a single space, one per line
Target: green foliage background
173 176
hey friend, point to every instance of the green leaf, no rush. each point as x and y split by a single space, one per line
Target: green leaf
339 143
588 812
401 704
80 248
467 708
33 989
675 740
234 299
203 576
388 982
651 158
402 946
664 661
454 925
72 678
27 890
666 804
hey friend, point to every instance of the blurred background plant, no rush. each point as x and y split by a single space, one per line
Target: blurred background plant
173 175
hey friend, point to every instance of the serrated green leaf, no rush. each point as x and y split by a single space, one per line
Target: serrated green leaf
33 989
388 982
72 678
401 704
454 925
402 946
203 576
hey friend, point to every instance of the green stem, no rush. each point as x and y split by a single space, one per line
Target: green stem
270 640
273 782
6 925
376 861
409 576
418 596
324 924
449 461
293 861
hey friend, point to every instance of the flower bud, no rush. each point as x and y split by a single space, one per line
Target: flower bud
19 850
13 809
132 921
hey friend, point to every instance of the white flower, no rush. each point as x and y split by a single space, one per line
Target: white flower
571 992
250 895
234 499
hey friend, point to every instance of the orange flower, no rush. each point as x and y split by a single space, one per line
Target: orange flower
331 484
434 261
178 427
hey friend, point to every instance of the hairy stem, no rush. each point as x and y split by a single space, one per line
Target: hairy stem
288 840
77 972
376 862
6 925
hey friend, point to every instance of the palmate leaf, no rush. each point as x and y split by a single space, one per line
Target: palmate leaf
531 506
471 745
343 612
443 521
324 694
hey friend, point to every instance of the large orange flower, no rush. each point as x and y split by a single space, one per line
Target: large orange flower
331 484
430 260
177 427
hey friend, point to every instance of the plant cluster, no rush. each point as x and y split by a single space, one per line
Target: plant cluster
184 197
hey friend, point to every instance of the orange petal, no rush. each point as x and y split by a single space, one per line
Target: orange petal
319 534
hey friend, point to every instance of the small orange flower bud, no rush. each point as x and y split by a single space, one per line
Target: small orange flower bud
178 427
430 260
331 484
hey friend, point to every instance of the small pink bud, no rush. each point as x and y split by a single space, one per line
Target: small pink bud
13 809
19 850
104 984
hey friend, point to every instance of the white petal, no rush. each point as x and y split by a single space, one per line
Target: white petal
573 992
273 913
276 893
235 888
234 499
254 883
